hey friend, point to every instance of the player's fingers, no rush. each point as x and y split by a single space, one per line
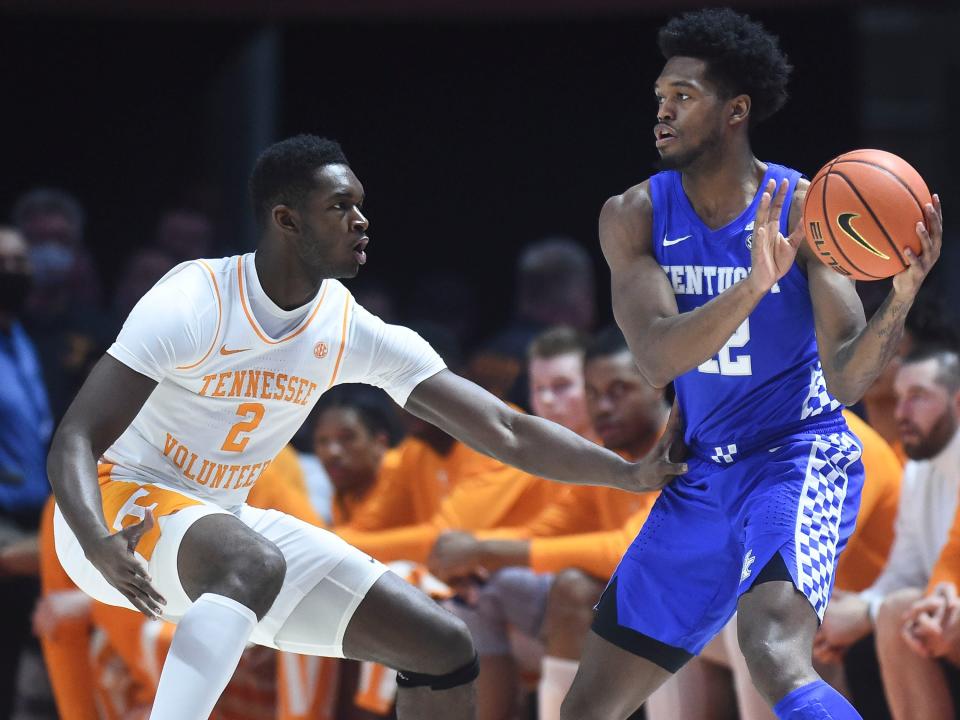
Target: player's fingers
934 223
671 469
912 643
776 205
133 533
148 589
763 210
140 604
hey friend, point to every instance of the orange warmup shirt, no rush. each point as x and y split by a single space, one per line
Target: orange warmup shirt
947 568
868 548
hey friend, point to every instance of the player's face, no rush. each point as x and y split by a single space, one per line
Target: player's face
926 411
332 236
350 453
557 391
625 409
689 113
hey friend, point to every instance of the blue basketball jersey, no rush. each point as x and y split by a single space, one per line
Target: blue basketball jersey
766 381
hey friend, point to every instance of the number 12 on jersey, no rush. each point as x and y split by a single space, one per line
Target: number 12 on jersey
723 364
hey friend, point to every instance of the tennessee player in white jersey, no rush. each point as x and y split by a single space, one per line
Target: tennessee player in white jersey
213 372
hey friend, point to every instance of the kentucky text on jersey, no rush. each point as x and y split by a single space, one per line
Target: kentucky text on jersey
705 279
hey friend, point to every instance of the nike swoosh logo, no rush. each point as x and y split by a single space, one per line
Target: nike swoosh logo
224 351
845 221
668 243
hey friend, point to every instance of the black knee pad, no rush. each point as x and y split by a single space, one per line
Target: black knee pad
461 676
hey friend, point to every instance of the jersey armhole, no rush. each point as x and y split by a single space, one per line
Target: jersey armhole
212 279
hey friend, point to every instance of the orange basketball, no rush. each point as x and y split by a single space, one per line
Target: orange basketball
862 210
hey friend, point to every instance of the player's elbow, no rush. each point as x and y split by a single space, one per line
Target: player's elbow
654 370
843 390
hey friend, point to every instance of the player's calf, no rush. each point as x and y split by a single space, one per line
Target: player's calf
221 555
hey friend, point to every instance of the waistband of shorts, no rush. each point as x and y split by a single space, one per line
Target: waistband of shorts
743 447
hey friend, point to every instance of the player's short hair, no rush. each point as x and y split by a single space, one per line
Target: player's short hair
948 364
741 56
559 340
49 201
549 269
372 406
606 342
285 172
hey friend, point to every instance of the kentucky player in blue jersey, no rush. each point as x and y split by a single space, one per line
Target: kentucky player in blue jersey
715 290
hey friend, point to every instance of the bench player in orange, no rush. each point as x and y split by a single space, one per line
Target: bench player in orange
212 373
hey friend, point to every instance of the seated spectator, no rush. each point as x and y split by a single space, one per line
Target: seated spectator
719 676
555 286
25 428
64 314
141 272
927 386
184 235
580 536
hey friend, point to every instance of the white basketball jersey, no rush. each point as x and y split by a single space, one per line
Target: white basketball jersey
230 396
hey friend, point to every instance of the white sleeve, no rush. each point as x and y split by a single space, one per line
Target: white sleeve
391 357
174 325
905 566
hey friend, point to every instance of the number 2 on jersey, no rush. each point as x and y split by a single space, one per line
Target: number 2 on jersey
255 413
723 363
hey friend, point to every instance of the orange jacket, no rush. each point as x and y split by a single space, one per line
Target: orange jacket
870 544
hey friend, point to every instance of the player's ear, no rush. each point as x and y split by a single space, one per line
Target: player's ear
285 218
739 109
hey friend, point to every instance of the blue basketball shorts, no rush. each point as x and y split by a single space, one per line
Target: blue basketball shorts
713 530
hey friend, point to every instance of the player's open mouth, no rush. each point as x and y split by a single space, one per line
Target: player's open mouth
664 134
359 250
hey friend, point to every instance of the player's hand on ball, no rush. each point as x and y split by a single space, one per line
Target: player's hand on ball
664 462
906 284
772 255
113 556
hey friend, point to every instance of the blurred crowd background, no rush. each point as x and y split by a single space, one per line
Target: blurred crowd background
487 136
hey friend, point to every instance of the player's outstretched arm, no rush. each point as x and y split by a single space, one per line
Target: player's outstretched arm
107 403
537 446
854 352
665 342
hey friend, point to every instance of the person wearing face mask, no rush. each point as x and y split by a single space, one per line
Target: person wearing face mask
25 428
63 312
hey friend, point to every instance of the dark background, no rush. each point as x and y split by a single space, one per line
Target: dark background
473 132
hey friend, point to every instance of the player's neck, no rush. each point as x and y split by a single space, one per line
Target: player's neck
284 278
722 185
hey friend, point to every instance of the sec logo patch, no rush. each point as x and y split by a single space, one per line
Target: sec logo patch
320 350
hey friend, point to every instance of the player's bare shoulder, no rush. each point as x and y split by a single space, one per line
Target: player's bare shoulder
626 221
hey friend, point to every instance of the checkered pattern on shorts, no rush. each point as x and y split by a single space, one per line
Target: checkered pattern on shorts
818 399
818 517
724 455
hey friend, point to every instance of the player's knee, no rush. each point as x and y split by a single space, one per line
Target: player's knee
573 590
448 646
890 615
253 577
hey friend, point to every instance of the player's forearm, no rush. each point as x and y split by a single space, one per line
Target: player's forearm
551 451
858 362
72 470
674 345
496 554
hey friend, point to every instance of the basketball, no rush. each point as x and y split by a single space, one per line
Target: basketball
862 210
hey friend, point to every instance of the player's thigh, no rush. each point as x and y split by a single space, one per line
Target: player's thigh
125 503
611 683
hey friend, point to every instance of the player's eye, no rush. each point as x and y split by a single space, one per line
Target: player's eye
683 96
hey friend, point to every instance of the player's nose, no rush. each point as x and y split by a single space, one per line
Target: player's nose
360 222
